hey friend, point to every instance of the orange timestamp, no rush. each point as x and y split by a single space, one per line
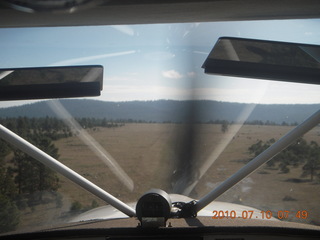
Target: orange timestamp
251 214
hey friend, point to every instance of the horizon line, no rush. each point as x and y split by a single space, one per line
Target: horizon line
30 102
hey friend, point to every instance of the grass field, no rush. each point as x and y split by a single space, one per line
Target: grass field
148 152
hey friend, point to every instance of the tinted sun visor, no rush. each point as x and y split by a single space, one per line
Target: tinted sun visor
50 82
265 60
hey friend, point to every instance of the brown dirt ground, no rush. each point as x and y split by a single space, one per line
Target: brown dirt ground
147 152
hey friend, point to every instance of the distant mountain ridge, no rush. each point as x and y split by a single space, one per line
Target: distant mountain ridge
168 110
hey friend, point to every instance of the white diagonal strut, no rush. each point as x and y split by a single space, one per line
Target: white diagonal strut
54 164
269 153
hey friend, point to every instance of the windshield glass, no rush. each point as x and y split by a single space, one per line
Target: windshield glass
160 122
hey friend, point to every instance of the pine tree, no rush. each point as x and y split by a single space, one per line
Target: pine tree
31 175
298 153
224 126
9 213
312 165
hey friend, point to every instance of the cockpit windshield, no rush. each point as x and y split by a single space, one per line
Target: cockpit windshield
160 122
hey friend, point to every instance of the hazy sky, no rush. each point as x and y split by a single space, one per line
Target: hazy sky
160 61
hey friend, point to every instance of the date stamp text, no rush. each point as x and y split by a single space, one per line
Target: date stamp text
251 214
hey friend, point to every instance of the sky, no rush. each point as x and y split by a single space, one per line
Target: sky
160 61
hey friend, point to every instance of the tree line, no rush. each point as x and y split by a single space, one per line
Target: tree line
25 182
298 154
254 122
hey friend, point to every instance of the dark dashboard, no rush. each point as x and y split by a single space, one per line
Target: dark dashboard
201 228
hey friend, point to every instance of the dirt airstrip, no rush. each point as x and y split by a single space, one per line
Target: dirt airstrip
148 153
